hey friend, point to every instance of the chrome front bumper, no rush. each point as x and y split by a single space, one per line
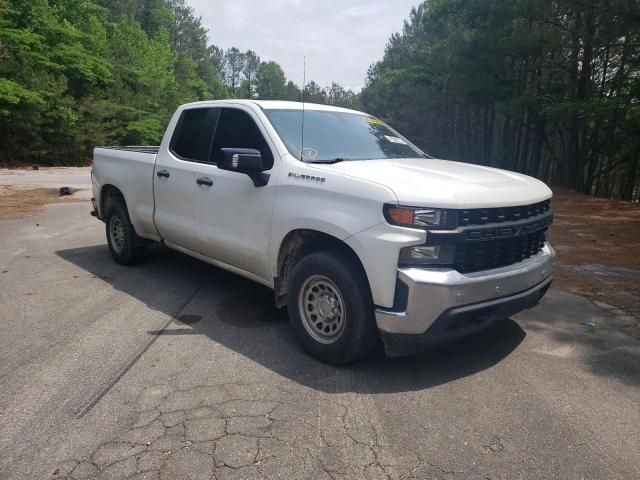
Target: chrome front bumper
431 294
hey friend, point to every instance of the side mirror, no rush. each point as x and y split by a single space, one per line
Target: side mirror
240 160
244 160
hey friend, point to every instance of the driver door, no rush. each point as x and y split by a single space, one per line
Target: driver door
233 217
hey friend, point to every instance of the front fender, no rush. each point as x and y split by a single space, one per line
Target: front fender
378 248
344 208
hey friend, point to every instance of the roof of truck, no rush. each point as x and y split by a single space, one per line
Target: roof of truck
280 105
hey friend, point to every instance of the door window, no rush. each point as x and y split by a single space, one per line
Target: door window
192 137
236 129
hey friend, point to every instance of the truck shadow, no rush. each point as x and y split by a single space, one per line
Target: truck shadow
240 315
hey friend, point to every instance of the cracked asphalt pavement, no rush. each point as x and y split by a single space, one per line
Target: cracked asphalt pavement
174 369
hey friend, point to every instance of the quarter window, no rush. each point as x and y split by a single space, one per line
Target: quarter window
192 138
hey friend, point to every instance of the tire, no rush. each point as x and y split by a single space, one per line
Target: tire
124 244
333 286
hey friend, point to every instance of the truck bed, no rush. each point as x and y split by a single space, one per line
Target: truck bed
130 169
135 148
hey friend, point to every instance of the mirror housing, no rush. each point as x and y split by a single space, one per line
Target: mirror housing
244 160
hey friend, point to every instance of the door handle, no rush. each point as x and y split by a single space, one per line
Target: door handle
204 181
163 173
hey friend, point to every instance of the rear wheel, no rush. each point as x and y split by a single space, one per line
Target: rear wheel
124 244
330 307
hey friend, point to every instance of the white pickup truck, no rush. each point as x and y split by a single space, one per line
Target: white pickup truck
358 232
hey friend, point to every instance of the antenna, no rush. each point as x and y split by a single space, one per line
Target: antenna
304 88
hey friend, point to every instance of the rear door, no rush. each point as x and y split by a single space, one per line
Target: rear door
233 217
175 186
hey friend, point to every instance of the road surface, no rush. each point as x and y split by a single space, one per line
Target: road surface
174 369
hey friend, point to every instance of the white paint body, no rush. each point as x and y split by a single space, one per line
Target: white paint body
240 227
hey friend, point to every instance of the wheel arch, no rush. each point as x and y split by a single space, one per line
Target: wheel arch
298 243
109 194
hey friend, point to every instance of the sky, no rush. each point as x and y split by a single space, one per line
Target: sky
339 38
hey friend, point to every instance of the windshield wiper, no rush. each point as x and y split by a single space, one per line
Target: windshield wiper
335 160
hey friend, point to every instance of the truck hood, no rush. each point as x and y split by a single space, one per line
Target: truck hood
438 183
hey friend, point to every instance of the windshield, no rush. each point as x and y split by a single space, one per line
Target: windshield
336 136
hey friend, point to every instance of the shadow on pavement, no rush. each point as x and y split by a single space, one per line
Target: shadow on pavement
240 315
605 348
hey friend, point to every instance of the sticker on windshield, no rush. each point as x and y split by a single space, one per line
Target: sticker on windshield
375 121
309 153
397 140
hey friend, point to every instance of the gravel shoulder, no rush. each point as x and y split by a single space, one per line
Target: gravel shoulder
597 242
24 191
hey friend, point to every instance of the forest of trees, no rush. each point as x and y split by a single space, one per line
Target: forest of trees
548 88
80 73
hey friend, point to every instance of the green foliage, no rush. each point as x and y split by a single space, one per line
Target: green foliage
48 64
271 83
145 131
233 66
250 71
314 93
293 92
80 73
12 93
545 88
76 73
339 96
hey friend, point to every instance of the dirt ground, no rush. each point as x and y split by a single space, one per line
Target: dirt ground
598 248
16 201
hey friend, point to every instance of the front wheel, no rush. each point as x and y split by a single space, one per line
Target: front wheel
330 307
124 244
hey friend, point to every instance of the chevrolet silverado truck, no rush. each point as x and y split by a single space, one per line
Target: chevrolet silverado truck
359 233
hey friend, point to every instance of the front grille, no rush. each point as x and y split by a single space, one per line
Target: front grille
482 216
476 256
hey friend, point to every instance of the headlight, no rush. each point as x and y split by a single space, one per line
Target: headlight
419 217
427 255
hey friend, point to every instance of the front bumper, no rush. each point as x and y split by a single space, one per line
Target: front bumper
437 305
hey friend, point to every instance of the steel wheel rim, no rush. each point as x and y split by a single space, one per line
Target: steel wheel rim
322 309
116 232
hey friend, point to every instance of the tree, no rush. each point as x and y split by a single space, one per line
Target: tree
545 88
216 57
313 93
233 66
340 97
76 73
79 73
271 84
293 92
45 60
250 70
198 66
188 36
